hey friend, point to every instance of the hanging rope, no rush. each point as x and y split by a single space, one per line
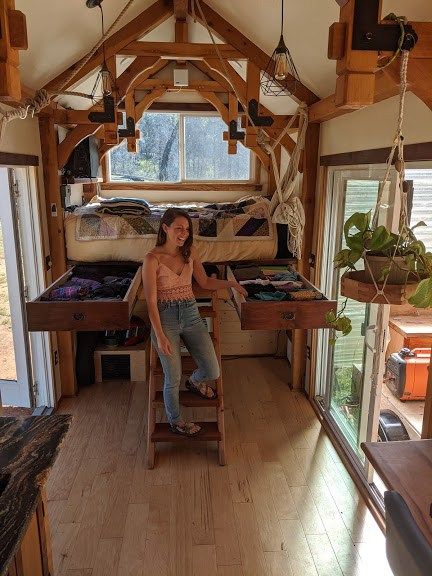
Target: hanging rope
42 97
400 167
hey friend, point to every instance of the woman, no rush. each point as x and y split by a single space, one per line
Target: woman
167 278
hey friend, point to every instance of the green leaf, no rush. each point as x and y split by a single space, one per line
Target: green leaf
381 239
355 242
422 297
358 220
330 317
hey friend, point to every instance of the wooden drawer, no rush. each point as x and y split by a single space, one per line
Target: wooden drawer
285 315
83 314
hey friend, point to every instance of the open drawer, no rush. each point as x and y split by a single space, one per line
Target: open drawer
284 315
70 315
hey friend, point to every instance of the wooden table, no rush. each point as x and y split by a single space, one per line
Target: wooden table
407 468
410 332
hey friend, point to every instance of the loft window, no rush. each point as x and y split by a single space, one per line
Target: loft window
178 148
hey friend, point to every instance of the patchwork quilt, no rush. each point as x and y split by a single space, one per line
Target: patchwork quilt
242 220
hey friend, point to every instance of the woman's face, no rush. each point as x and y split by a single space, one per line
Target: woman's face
178 232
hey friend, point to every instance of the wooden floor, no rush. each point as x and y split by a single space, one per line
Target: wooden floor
283 506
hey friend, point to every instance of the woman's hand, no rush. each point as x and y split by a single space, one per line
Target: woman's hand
164 345
239 288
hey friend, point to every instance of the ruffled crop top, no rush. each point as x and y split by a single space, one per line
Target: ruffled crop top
173 287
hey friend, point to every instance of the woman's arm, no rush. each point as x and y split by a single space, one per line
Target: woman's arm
150 290
212 283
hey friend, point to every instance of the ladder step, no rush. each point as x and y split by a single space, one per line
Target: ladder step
190 399
209 431
206 312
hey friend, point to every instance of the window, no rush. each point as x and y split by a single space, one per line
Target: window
422 203
179 147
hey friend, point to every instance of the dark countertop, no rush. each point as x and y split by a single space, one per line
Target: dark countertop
28 449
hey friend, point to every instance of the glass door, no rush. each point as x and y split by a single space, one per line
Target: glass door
347 371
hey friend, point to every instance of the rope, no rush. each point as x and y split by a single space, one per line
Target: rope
42 97
397 145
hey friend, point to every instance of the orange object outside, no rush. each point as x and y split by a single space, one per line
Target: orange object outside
416 374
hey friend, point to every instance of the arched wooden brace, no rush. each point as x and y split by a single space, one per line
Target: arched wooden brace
78 134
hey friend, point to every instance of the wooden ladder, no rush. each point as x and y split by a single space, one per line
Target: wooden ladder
214 430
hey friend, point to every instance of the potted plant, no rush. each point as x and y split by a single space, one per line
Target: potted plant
388 257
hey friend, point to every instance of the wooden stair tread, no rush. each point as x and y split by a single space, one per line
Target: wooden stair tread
209 431
207 312
190 399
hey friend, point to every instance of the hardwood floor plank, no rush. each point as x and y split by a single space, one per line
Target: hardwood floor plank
297 548
280 491
107 557
204 560
230 571
132 554
252 555
278 564
63 540
115 517
159 543
202 518
225 533
323 555
80 491
307 511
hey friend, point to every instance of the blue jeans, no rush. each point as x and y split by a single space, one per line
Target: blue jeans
182 319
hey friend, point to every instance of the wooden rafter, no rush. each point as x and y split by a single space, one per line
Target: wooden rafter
78 134
237 82
13 37
179 50
250 50
149 19
151 83
148 99
180 14
139 70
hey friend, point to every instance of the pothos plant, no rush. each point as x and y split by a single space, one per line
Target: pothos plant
362 239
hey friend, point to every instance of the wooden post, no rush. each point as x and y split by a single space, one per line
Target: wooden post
310 170
252 93
13 37
65 353
130 112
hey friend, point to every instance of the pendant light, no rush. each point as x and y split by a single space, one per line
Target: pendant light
280 76
104 82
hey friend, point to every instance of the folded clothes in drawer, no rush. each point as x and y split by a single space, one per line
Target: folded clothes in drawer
90 297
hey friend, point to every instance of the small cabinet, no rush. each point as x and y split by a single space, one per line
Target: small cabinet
71 315
284 315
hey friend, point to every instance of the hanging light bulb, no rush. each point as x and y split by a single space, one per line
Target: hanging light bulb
106 80
280 69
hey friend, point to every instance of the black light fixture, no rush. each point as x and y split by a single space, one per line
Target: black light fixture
104 78
280 77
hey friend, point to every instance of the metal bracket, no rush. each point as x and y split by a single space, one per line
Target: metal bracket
369 35
235 134
256 118
108 115
129 130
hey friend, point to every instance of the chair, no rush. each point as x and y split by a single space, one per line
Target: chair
408 551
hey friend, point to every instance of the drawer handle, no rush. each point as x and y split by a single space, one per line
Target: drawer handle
78 316
288 315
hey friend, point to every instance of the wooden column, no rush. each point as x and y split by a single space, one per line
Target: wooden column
13 37
64 355
310 170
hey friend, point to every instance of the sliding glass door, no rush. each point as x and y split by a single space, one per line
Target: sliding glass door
348 372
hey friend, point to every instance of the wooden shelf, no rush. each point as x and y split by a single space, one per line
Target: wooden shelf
355 286
209 431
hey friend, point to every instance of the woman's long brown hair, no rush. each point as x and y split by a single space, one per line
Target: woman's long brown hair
168 218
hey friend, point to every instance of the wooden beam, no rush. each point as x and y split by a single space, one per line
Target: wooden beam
63 117
139 70
148 99
217 103
234 186
152 83
237 82
250 50
181 107
57 244
13 37
130 112
179 50
180 8
423 48
78 134
252 93
420 79
149 19
427 416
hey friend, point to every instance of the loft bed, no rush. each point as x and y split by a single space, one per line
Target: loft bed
126 229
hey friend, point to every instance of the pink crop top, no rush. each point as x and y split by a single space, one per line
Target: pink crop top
171 286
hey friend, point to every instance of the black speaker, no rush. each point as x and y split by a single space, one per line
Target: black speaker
84 160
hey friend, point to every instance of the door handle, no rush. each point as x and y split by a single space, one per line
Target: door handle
78 316
288 315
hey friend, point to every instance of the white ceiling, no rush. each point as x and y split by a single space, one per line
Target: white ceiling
62 31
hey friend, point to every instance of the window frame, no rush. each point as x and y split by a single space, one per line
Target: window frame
182 159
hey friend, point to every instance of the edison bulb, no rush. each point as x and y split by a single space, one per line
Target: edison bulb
281 66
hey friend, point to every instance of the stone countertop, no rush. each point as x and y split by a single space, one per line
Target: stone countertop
28 449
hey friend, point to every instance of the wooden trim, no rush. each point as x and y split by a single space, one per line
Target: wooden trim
427 416
181 107
234 37
12 159
201 186
153 83
412 153
149 19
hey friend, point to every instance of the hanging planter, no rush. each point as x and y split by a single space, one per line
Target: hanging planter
357 286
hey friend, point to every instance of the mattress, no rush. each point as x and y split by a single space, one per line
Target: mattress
82 248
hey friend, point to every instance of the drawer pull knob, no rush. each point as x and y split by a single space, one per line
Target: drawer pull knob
78 316
287 315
